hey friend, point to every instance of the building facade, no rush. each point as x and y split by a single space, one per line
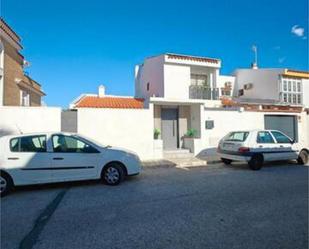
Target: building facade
283 86
16 88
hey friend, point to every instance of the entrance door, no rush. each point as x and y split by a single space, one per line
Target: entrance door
169 119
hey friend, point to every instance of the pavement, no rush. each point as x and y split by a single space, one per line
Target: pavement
199 207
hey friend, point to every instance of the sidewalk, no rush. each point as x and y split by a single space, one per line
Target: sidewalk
206 160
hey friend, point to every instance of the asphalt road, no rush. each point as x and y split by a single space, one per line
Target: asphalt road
221 207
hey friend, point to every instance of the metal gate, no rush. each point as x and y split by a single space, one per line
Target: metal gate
284 123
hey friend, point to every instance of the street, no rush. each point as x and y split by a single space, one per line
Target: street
200 207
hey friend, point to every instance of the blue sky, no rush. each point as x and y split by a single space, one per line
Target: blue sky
73 46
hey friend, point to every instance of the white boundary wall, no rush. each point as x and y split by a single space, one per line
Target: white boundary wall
131 129
230 120
29 119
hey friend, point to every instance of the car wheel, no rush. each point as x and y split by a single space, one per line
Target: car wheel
113 174
6 184
256 162
226 161
303 157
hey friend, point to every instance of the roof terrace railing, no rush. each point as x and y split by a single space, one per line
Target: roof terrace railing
201 92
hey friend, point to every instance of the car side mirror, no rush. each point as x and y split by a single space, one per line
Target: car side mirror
292 141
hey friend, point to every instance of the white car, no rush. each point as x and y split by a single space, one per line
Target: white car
57 157
258 146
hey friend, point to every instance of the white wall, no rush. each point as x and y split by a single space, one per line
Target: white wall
29 119
265 83
128 128
1 73
226 121
305 85
151 71
177 79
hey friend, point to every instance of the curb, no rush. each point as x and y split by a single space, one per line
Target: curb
164 164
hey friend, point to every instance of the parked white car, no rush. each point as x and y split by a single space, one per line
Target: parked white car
258 146
57 157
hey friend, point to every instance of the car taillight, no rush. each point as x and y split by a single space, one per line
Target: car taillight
243 149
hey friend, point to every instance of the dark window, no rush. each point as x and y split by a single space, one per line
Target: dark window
69 144
238 136
264 137
29 144
241 92
281 138
148 86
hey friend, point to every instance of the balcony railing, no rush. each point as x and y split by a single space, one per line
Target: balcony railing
201 92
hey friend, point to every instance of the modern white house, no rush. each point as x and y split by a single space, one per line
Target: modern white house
173 76
179 87
268 85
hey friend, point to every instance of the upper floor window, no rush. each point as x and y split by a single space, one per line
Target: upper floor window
148 86
24 98
285 85
298 86
291 91
199 80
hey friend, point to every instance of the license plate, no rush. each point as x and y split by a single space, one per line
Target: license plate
227 146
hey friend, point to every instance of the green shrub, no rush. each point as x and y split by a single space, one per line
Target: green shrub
191 133
156 133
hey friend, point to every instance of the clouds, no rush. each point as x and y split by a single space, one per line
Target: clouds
281 60
298 31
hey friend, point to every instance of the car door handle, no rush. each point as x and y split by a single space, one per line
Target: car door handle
281 146
13 158
58 158
261 146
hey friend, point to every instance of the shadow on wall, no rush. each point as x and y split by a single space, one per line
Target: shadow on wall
8 130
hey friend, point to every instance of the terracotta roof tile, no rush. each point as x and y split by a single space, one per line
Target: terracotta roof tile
110 102
193 58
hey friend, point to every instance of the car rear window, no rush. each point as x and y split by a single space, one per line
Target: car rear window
237 136
29 144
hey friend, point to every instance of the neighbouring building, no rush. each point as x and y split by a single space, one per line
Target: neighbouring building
268 85
16 88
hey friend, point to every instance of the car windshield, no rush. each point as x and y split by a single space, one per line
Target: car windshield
237 136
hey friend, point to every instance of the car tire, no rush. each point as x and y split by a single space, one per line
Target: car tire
256 162
226 161
6 184
303 157
113 174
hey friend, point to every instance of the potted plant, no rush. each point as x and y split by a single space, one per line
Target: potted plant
191 133
156 133
188 139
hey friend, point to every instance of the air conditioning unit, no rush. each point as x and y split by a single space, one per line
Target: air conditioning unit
248 86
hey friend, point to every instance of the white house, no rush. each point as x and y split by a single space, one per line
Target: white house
174 76
179 86
268 85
